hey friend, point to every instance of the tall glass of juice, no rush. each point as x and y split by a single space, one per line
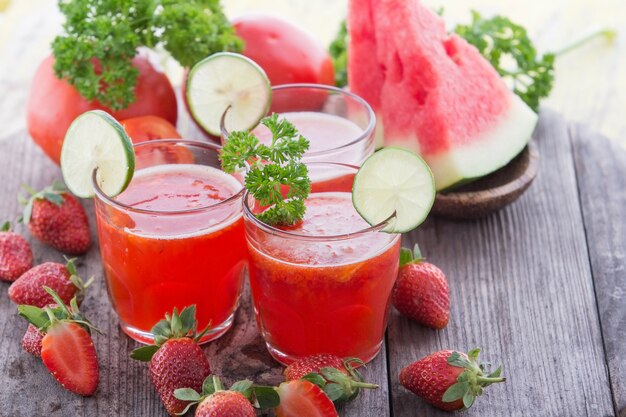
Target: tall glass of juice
338 124
174 238
323 285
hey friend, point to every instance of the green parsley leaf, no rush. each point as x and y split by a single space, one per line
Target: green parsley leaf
339 53
531 76
100 38
273 169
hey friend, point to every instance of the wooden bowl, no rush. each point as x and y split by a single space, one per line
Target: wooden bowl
492 192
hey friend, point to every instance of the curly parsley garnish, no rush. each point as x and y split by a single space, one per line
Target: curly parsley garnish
531 76
273 169
101 37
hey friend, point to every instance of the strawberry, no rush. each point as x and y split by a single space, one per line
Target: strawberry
66 346
421 291
31 342
15 254
335 376
63 279
313 363
216 402
449 380
300 398
56 217
176 359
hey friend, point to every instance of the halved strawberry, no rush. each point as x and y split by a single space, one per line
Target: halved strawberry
66 347
301 398
69 354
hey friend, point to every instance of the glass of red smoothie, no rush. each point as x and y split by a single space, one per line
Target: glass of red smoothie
322 285
173 238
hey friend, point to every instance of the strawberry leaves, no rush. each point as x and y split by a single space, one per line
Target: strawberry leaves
471 381
172 327
338 386
410 257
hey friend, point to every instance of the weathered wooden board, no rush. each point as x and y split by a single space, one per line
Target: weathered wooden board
522 290
521 283
601 173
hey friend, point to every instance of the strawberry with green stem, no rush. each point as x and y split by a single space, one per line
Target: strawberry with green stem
67 350
449 380
56 218
176 359
421 290
16 257
63 279
236 402
337 377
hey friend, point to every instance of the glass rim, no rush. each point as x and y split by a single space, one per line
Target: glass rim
247 212
121 206
367 132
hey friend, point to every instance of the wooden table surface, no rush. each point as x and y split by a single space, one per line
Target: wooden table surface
540 286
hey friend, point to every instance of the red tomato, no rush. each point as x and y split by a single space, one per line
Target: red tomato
286 52
53 104
144 128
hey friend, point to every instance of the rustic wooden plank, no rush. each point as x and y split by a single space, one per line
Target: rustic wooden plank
601 173
521 289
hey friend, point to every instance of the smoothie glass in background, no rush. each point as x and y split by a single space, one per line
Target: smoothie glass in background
324 284
173 238
338 124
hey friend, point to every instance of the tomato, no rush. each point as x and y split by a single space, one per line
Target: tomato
53 103
286 52
144 128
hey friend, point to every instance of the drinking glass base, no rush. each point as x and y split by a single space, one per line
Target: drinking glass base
286 359
146 337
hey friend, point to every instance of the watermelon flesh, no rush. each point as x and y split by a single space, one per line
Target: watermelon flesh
433 92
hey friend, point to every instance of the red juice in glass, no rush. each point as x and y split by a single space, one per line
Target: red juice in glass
174 238
322 286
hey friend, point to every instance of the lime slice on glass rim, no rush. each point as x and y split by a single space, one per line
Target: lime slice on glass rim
394 181
96 141
223 80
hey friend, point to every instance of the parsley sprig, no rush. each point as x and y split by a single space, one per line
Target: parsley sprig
531 76
100 38
273 169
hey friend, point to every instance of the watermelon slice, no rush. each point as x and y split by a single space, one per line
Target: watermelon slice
433 92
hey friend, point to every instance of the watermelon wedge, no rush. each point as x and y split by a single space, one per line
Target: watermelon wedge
433 92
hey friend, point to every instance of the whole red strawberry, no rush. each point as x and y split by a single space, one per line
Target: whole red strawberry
57 218
63 279
421 291
216 402
176 359
15 254
337 377
313 363
66 347
31 342
448 380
